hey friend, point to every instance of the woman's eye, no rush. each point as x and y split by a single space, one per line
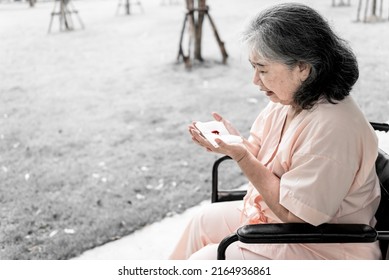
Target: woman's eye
255 67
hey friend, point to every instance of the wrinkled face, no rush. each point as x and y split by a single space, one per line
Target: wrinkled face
277 80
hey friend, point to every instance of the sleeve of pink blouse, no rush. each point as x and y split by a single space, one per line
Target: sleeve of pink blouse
314 187
326 164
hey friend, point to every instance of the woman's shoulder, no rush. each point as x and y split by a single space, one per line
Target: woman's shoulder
334 124
345 114
339 132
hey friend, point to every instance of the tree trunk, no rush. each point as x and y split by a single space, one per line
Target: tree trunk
127 7
199 30
374 8
196 25
32 3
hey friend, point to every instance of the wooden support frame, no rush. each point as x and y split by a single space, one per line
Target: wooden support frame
127 4
341 3
372 11
193 21
65 11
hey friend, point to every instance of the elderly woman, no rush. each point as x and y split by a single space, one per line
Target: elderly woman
310 156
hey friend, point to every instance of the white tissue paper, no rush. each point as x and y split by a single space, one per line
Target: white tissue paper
213 129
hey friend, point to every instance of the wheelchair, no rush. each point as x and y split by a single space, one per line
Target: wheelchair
306 233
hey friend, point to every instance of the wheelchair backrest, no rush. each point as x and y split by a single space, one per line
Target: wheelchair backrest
382 215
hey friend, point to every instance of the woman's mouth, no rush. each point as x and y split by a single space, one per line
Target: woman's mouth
269 93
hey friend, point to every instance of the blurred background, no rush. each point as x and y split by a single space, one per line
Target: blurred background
95 99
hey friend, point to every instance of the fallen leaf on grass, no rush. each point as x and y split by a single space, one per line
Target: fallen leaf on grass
160 184
157 187
35 248
144 168
53 233
69 231
171 214
140 196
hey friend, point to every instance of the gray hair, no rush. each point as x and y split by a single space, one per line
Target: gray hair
292 33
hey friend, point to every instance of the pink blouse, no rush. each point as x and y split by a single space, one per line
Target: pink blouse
326 164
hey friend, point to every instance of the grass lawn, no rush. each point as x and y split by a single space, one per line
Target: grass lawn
93 122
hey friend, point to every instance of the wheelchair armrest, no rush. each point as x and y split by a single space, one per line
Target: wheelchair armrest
299 233
306 233
380 126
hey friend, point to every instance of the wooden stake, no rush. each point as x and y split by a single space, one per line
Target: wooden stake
219 41
359 10
127 6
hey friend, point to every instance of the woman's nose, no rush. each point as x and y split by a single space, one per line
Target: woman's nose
256 79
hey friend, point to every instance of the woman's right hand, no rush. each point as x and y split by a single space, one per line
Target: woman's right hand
231 129
236 151
200 140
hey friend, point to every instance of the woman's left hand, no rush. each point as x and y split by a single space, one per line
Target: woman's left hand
236 151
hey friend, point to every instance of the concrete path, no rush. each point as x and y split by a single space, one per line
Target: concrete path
156 241
153 242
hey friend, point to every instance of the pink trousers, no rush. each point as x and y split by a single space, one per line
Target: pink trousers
215 221
204 232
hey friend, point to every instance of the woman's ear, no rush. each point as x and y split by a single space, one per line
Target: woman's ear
305 70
